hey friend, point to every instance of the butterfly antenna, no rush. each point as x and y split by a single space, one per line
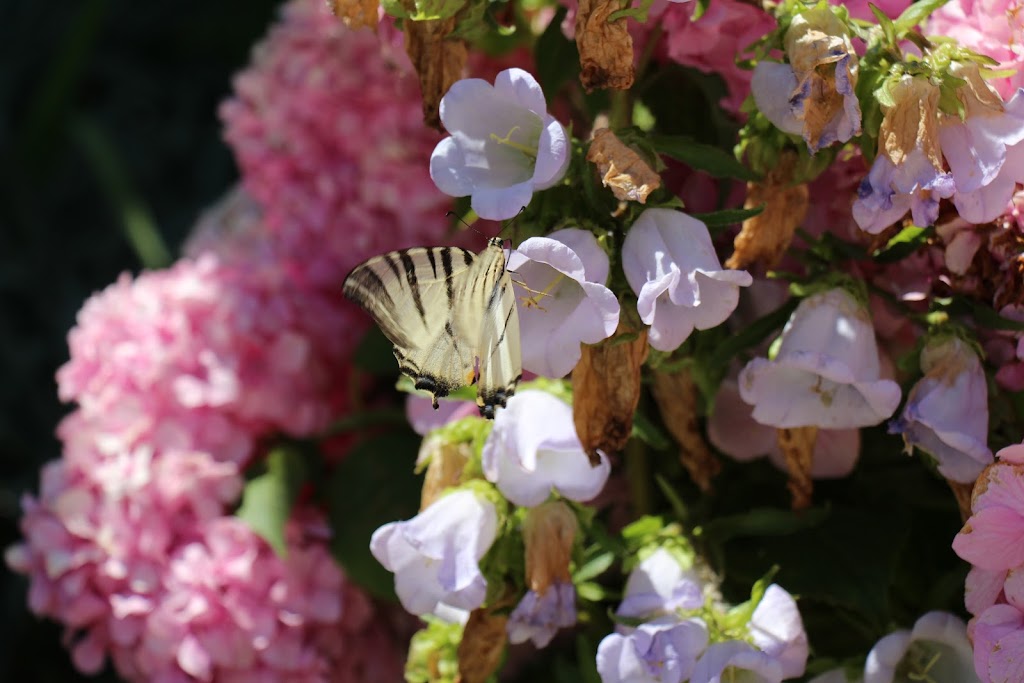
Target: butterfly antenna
468 225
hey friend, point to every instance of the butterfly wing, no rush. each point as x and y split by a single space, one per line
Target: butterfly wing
498 353
415 296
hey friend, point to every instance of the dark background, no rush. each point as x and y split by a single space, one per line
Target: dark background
108 112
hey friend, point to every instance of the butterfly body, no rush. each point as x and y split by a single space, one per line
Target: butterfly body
451 316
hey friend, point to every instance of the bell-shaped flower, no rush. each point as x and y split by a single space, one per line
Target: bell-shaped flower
993 537
936 649
503 144
659 586
983 149
735 660
826 372
946 413
538 617
680 284
435 555
559 282
777 630
908 173
533 449
661 651
813 95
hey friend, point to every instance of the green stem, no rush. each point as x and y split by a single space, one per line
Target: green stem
621 114
638 475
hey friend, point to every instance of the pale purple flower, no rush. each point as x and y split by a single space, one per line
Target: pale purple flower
659 586
777 629
946 413
422 417
826 372
937 647
568 304
538 617
985 153
735 660
889 191
435 555
733 430
660 651
533 450
672 266
503 144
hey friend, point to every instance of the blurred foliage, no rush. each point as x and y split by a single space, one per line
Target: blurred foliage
109 148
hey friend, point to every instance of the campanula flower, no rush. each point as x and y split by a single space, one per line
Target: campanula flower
826 372
563 302
680 284
661 651
538 617
503 145
908 174
435 555
735 660
533 449
660 586
946 413
935 649
813 95
777 630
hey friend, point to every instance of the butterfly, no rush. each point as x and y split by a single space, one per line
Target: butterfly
451 316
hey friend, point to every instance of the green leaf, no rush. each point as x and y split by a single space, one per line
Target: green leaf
718 219
888 28
375 354
594 567
712 160
987 317
753 334
646 431
586 659
904 243
268 497
372 486
916 14
699 8
593 592
762 522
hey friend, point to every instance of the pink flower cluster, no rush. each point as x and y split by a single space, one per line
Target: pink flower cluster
991 27
181 376
324 130
992 540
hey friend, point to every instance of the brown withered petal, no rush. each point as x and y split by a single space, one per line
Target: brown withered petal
356 14
605 47
912 121
549 532
438 60
676 396
962 493
765 237
797 446
447 460
483 643
606 390
628 175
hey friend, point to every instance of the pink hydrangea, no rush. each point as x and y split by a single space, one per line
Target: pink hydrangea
337 156
204 354
992 27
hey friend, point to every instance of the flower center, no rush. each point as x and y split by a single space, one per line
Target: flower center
534 301
507 140
920 664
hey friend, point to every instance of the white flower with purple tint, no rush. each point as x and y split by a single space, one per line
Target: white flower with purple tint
659 586
661 651
539 617
947 410
503 144
672 267
435 555
813 95
777 629
826 372
566 302
936 649
889 191
533 450
735 660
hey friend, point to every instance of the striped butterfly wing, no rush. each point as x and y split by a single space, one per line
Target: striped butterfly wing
416 296
500 358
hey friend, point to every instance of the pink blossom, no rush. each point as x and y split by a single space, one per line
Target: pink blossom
336 155
992 27
714 42
993 537
998 635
